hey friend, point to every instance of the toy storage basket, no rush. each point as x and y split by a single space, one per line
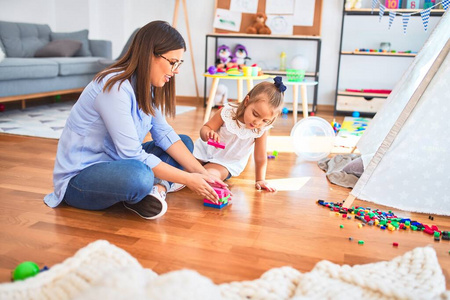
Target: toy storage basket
294 75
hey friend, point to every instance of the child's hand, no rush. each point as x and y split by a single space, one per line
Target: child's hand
263 185
214 136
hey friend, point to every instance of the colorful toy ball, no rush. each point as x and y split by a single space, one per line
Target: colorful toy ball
284 110
336 126
25 270
212 70
355 114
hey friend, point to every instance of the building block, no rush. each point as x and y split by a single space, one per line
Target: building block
216 144
224 198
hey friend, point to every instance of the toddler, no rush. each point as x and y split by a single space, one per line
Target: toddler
243 128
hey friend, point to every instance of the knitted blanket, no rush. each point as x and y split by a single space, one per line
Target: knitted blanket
104 271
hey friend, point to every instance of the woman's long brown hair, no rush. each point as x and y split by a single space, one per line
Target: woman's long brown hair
154 39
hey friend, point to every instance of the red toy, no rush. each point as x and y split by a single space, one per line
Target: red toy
216 144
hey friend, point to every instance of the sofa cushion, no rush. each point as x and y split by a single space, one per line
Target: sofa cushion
81 36
26 68
77 65
23 39
59 48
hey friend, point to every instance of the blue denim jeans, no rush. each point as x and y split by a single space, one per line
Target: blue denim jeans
105 184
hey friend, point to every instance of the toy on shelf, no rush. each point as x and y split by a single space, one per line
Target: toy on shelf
224 198
221 96
352 4
25 270
363 50
240 55
259 25
372 91
216 144
294 75
224 57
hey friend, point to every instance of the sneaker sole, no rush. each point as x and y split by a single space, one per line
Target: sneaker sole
182 186
157 206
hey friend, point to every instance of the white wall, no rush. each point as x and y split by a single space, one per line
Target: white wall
115 20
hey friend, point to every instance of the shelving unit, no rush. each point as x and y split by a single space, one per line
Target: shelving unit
370 103
315 39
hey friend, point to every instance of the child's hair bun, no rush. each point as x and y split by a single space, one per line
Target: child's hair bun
279 83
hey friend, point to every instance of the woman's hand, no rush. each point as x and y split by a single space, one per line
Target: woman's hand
201 185
262 184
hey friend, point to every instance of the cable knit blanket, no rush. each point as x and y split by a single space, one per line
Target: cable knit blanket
103 271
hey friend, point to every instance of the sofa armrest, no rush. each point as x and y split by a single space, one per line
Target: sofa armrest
101 48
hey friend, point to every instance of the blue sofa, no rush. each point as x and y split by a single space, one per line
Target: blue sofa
24 76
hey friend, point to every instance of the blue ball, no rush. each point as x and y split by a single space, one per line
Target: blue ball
285 110
355 114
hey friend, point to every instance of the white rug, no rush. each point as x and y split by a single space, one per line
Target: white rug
45 120
103 271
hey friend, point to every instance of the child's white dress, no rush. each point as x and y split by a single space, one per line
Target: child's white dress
239 144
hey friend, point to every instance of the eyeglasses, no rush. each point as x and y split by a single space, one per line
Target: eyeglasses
174 63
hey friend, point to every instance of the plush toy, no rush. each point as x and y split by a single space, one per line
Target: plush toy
240 55
352 4
223 56
259 25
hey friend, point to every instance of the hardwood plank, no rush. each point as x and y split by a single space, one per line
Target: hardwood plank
258 231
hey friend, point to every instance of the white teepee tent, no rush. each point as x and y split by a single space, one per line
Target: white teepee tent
406 147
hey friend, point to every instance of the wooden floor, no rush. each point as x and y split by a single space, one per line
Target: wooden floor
259 231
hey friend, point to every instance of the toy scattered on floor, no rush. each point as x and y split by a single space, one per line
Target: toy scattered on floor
284 110
25 270
224 198
336 126
259 25
385 220
395 244
355 114
212 142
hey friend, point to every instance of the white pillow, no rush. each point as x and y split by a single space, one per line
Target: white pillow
2 55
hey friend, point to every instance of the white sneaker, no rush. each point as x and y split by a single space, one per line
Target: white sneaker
175 187
153 205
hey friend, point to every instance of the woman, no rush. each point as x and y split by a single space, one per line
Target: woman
101 159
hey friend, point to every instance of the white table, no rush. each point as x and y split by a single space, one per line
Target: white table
304 95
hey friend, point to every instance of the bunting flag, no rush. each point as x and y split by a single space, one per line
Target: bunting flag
391 18
382 8
374 3
445 4
405 22
425 14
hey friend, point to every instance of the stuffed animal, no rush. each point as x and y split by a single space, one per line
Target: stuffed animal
240 55
259 25
223 56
